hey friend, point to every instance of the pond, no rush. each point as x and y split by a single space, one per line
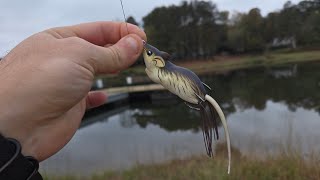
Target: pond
269 110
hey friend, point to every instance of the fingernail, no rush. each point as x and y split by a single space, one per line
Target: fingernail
132 43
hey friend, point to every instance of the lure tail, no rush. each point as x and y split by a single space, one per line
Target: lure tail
210 125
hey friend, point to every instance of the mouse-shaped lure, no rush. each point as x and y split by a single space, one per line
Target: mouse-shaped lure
187 85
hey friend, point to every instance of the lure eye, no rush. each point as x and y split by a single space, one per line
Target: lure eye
149 53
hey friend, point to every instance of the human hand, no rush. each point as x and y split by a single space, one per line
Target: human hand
46 79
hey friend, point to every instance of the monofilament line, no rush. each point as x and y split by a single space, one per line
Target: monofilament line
124 16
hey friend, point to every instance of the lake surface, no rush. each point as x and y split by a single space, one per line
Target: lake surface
269 110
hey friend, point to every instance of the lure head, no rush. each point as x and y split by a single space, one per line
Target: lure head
154 58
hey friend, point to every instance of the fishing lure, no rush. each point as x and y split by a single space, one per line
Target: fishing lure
187 85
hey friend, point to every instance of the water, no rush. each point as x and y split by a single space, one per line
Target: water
268 110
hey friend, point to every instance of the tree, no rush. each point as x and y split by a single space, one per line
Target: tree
131 20
246 33
236 38
311 29
271 27
253 24
189 30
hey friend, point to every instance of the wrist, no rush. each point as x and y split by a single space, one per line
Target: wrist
13 165
9 128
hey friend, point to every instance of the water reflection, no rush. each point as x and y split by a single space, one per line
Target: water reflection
268 109
119 142
253 88
275 129
169 116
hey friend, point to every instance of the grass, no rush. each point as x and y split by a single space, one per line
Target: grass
241 62
285 166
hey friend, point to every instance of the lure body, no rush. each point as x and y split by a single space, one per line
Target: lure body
179 81
187 85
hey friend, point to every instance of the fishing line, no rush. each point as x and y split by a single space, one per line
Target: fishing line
124 16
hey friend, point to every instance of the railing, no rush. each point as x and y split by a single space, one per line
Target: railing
133 89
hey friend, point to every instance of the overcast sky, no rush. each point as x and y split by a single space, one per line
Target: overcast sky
21 18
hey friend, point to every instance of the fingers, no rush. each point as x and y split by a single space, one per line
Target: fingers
98 33
95 99
112 46
118 56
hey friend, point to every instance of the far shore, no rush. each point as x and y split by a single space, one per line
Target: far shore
227 63
220 64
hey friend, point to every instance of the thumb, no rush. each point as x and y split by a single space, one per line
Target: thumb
118 56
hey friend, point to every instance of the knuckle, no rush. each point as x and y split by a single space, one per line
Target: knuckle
73 40
54 32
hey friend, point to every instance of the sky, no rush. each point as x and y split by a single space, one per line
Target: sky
20 18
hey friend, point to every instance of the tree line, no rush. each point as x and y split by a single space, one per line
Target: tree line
197 29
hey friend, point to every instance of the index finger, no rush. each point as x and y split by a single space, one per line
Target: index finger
99 33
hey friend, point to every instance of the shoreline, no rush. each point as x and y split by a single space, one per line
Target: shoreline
286 165
219 64
229 63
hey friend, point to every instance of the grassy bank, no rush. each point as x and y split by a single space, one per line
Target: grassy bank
226 63
241 62
286 166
